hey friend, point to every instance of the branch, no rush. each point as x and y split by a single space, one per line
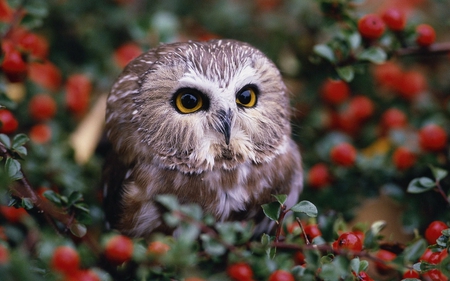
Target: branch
436 48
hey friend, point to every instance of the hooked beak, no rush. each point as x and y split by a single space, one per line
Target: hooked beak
225 119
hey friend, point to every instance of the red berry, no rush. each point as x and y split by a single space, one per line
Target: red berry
158 248
8 123
13 64
385 256
411 274
40 133
387 74
312 231
126 53
434 275
82 275
371 26
42 107
4 255
318 176
395 19
240 272
6 12
299 258
65 259
13 214
335 91
35 44
78 91
119 249
411 84
434 230
348 241
343 154
364 277
393 118
45 74
361 107
281 275
425 35
403 158
432 138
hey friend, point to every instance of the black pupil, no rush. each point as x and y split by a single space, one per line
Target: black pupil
189 101
245 97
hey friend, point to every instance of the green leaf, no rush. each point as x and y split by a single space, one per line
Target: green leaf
27 203
168 201
53 197
212 246
373 54
355 264
21 150
427 182
78 229
347 73
192 210
74 197
272 210
19 140
325 52
305 207
415 250
5 140
415 186
281 198
13 169
355 40
438 173
83 207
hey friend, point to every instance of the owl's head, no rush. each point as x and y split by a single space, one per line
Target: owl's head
199 106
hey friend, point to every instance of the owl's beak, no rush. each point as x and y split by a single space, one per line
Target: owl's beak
225 120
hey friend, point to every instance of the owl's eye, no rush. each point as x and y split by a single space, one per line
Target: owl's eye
246 97
188 100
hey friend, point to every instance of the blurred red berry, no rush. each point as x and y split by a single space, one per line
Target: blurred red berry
65 259
348 241
46 75
432 138
312 231
8 123
361 107
42 107
335 91
385 256
411 84
343 154
403 158
40 133
434 230
395 19
4 255
371 26
430 256
240 272
6 12
387 74
425 35
393 118
82 275
319 176
35 44
281 275
78 91
363 276
126 53
158 248
13 65
299 258
267 5
434 275
411 274
13 214
119 249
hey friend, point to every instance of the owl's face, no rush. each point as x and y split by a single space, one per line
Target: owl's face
199 106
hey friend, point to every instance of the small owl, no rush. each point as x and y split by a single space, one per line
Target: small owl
207 122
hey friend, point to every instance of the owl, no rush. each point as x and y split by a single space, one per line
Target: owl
207 122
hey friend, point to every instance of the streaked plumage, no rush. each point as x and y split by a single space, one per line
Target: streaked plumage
227 157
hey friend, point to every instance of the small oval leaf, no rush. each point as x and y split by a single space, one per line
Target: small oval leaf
305 207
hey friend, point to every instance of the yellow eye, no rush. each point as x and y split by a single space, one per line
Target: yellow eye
188 101
246 97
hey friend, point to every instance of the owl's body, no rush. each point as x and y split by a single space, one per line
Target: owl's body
205 121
